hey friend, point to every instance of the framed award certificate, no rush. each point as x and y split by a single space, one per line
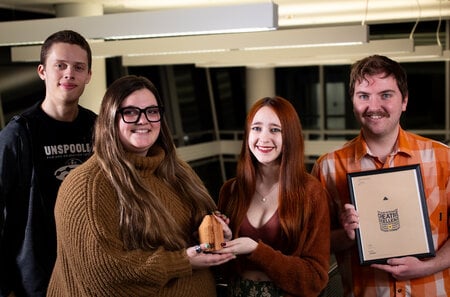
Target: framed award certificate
393 215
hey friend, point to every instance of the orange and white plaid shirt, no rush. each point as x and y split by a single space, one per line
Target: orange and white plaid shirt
434 160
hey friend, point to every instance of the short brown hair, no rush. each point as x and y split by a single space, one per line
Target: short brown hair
66 36
374 65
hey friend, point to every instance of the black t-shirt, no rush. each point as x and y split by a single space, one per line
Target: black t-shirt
60 147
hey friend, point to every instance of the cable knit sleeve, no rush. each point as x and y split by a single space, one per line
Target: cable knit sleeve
305 273
91 260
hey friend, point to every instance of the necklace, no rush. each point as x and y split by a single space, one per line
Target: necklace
263 198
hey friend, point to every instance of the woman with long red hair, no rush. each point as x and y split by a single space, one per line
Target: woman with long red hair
278 212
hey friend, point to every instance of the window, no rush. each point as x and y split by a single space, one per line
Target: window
300 85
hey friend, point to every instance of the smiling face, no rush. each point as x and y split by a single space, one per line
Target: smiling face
378 105
265 138
66 73
139 137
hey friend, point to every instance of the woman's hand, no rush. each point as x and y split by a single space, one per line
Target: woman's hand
239 246
200 260
224 221
218 214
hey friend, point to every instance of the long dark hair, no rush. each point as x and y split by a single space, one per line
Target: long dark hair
144 221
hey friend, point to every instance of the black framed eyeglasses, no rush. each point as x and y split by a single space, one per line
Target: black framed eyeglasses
132 114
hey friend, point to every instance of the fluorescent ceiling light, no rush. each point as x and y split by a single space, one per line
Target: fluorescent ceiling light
278 57
313 37
249 41
313 12
175 22
422 53
291 38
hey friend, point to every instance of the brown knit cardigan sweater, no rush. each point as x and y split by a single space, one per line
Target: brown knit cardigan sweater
304 272
90 258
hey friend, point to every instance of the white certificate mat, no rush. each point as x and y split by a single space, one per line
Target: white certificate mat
393 216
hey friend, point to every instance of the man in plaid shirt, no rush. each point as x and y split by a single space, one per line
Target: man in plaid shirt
379 92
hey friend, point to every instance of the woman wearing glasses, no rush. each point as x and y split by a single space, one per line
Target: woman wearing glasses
126 217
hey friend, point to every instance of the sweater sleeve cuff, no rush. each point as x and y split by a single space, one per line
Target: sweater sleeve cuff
261 253
178 264
170 265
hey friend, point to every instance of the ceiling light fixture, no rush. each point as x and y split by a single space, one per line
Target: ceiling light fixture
162 23
278 57
248 41
421 53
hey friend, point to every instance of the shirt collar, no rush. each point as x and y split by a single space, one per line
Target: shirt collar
402 145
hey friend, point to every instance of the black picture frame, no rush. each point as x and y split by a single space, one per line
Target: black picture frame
393 214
